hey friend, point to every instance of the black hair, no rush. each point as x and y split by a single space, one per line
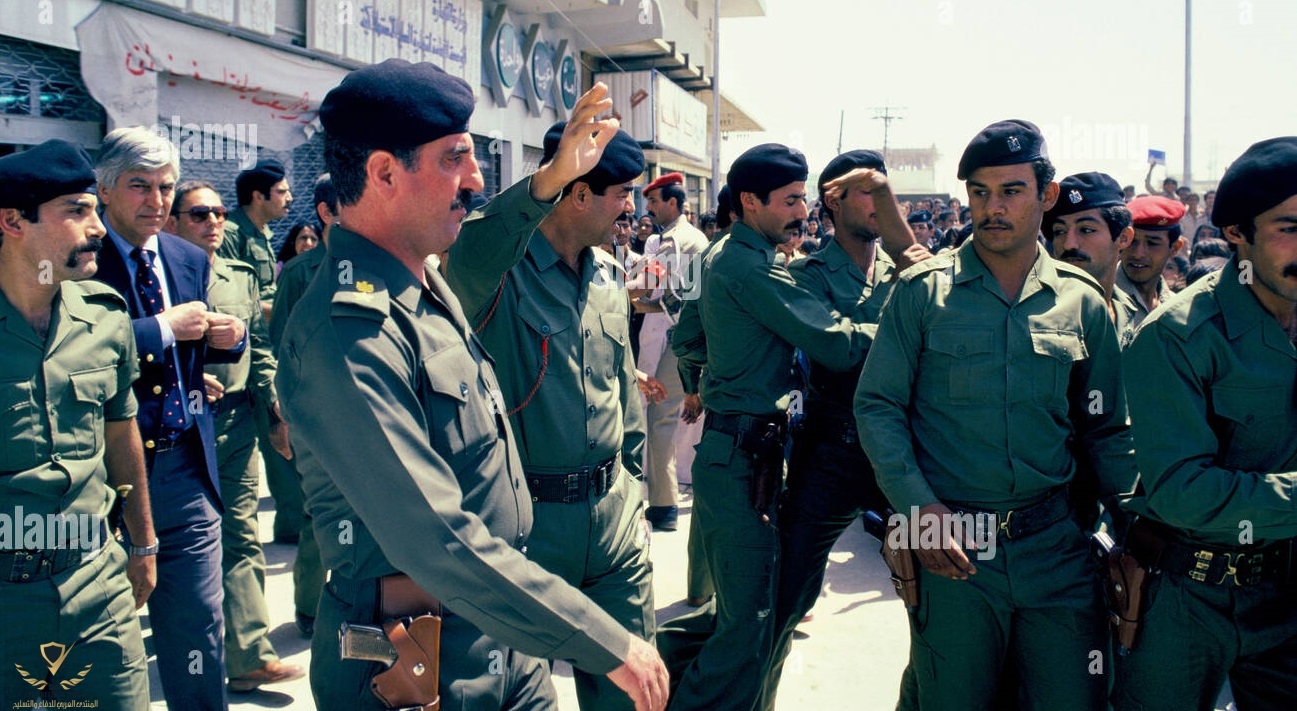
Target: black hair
250 182
1118 218
675 192
1210 248
736 202
184 189
288 249
1044 171
707 219
1198 270
346 165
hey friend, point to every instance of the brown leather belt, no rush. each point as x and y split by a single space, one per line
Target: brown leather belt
399 596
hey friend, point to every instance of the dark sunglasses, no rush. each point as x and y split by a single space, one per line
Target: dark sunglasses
199 214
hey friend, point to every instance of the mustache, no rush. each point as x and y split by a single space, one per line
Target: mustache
990 222
463 200
92 246
1075 254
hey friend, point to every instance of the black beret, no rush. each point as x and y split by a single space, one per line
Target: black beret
1003 143
396 104
848 162
1085 191
919 216
267 171
40 174
723 206
766 167
1264 176
622 160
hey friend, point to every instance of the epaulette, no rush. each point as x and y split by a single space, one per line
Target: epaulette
364 296
239 265
1072 272
936 263
1191 308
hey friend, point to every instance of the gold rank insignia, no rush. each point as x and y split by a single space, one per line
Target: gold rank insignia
364 287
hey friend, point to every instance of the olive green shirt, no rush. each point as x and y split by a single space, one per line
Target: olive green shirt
293 280
967 398
834 278
233 291
56 394
405 464
582 404
1127 311
247 244
753 314
1212 379
688 340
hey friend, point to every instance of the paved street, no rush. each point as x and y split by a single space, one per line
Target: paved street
850 655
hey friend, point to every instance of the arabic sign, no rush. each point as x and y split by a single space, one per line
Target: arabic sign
137 64
567 82
653 109
542 69
446 33
508 54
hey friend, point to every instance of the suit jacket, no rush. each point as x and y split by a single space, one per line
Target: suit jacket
188 274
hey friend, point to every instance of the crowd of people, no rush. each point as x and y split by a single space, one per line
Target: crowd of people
470 419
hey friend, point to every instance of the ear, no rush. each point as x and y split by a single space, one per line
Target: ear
1177 245
1124 239
322 212
1233 234
834 200
1051 194
11 221
581 194
171 224
749 201
380 171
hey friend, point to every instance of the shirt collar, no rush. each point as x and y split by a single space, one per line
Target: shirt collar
969 266
742 234
372 260
126 248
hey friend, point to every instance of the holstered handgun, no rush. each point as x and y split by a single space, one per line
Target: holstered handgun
901 560
1123 587
413 678
764 444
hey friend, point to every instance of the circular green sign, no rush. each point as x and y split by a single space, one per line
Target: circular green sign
567 81
508 55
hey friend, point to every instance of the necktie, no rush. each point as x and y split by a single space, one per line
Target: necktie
149 292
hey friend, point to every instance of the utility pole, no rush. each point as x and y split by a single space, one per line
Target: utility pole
1188 61
884 114
716 105
842 117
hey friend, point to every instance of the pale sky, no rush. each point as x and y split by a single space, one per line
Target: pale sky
1103 78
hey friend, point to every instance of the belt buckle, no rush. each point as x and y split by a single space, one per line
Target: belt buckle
1202 564
1005 528
1253 573
574 488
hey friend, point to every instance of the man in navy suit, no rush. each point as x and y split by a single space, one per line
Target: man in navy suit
164 280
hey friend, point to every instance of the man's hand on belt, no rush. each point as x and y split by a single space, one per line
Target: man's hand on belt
643 676
948 561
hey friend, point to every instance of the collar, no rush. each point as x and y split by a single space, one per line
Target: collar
1241 311
744 235
544 256
126 248
372 260
245 224
969 266
73 298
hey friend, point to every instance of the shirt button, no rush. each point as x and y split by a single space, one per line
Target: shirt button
960 350
148 358
57 457
587 333
463 389
544 328
591 409
157 389
589 371
591 444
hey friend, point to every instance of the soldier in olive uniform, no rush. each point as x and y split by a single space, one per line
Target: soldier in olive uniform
412 474
1213 405
264 196
1157 237
67 361
235 389
1089 227
830 481
308 571
552 310
994 379
753 314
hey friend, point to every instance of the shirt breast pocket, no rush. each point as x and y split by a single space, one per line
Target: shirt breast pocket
1056 352
459 410
17 426
960 359
616 330
1256 430
84 415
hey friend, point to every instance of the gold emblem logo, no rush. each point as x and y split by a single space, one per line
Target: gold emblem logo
364 287
54 655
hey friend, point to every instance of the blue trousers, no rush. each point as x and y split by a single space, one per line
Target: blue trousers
185 608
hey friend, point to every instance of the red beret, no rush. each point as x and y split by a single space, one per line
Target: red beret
668 179
1152 212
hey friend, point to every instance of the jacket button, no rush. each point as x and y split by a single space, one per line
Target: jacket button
157 389
57 457
149 358
149 444
544 328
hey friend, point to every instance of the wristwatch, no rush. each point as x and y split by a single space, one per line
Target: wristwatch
143 550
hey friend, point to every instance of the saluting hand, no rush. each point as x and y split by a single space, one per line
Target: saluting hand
581 146
866 179
948 561
224 331
643 676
